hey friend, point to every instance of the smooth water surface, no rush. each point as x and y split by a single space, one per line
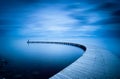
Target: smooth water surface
35 61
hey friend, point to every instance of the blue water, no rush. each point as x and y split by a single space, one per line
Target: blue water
86 22
35 61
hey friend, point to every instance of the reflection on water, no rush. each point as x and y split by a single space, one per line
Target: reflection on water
35 61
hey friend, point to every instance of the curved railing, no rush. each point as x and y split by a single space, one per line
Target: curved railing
63 43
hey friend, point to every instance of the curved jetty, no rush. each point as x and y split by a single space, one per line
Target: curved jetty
96 63
63 43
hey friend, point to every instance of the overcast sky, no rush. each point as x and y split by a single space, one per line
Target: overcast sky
60 18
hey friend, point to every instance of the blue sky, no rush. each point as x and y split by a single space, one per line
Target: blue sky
59 18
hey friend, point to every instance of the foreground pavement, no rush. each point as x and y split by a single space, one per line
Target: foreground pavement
96 63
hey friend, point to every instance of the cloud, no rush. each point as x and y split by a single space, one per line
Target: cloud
50 18
58 17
